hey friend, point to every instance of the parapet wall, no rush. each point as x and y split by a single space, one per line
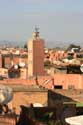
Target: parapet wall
64 80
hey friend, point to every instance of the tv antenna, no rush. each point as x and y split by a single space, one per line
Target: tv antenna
36 32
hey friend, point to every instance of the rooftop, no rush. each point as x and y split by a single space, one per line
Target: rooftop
77 120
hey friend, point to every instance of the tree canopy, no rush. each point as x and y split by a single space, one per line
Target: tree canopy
72 46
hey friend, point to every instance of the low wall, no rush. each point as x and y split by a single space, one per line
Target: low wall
7 120
65 80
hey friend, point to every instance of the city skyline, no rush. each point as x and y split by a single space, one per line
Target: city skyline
58 20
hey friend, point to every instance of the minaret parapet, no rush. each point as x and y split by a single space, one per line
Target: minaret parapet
36 33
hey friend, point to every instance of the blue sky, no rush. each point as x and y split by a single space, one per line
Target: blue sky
58 20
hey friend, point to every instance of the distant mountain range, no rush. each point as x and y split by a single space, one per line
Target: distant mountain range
62 44
5 43
49 44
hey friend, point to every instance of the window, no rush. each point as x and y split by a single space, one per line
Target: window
58 87
71 87
5 72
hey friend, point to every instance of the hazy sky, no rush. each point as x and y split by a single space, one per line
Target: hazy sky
58 20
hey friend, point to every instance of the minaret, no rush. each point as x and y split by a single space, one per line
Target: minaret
1 60
36 55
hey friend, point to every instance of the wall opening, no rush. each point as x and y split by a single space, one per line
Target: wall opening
58 87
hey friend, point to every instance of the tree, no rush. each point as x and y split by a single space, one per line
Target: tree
47 63
72 46
25 46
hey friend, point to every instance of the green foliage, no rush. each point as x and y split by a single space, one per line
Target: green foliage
53 122
70 57
47 63
79 104
72 46
25 46
47 119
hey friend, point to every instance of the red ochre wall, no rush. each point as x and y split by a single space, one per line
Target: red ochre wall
59 79
69 79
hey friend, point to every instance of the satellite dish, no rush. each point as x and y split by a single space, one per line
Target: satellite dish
6 94
37 105
21 64
16 67
81 68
